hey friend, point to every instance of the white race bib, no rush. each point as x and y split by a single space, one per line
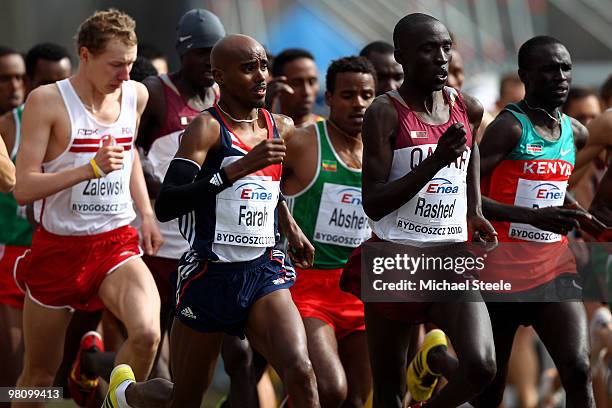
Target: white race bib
438 211
245 213
341 219
537 194
106 195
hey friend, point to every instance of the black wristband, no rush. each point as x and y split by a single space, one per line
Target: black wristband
220 180
281 198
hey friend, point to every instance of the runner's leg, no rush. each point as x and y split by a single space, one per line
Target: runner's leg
130 293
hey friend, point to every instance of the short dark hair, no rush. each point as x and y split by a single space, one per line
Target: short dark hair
408 23
142 68
347 64
576 93
287 56
527 49
380 47
150 51
605 92
45 51
7 51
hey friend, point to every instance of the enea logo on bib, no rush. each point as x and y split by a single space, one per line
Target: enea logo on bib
254 191
441 186
548 191
350 196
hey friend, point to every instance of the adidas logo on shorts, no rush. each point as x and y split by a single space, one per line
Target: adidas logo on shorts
188 313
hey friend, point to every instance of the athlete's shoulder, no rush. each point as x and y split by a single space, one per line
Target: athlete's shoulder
303 137
473 107
142 95
284 124
155 87
504 129
579 131
600 129
381 110
45 99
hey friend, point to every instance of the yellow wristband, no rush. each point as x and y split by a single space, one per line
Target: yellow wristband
95 168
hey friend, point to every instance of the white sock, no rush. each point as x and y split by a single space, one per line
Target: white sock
120 394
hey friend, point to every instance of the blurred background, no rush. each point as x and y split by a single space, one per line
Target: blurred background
487 32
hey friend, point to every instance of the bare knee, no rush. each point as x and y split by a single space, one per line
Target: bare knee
299 372
237 357
145 340
575 372
479 371
332 390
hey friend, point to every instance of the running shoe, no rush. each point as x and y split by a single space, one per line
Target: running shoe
120 374
82 387
421 380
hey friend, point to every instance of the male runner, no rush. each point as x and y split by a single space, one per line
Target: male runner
12 70
389 74
322 182
224 186
420 132
527 158
295 84
78 165
45 63
174 101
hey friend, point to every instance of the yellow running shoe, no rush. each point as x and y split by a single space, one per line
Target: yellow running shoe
120 374
421 380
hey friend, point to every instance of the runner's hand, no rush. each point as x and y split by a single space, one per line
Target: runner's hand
451 144
274 88
300 249
270 151
482 230
152 239
556 219
109 158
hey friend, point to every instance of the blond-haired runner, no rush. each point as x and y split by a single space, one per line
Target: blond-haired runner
77 163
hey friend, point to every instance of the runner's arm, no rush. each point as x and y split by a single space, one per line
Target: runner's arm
598 143
180 191
7 169
39 117
381 197
151 236
150 123
498 141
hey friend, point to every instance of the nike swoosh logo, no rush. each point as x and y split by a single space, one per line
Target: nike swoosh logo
185 38
564 152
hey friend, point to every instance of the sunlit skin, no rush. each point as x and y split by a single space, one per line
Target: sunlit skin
12 71
109 69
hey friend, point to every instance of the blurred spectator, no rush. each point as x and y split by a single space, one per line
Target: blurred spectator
154 54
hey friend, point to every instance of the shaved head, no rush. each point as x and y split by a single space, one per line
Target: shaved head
410 25
240 68
234 48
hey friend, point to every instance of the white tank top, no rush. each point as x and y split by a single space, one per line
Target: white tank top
97 205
